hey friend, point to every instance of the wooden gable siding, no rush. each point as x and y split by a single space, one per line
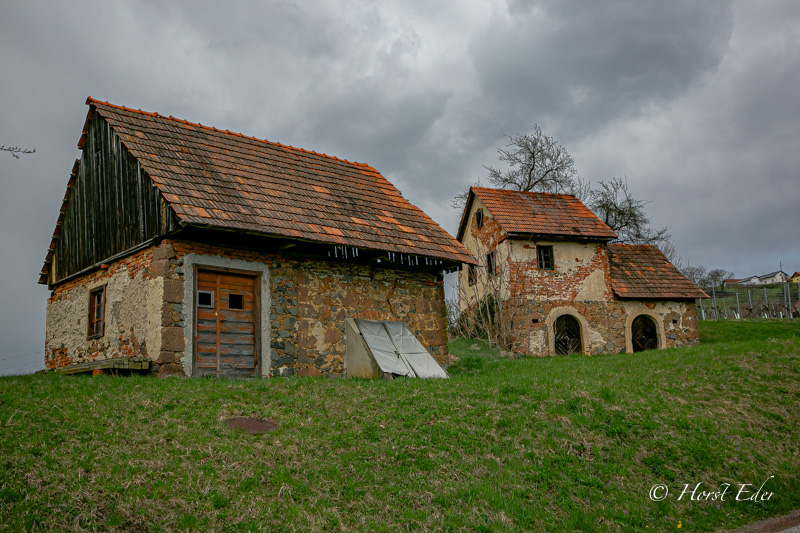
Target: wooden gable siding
113 205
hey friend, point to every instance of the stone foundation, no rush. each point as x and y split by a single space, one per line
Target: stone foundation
605 325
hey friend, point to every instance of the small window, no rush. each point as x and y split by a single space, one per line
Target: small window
235 301
97 312
544 255
479 218
205 299
472 275
491 266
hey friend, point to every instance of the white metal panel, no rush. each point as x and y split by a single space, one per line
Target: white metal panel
382 348
398 351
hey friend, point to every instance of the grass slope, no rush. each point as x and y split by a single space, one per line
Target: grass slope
567 443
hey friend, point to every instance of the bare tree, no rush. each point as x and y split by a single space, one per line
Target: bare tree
614 204
16 151
697 274
534 162
717 277
492 312
537 162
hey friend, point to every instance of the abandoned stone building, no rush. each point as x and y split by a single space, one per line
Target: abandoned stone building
549 259
195 251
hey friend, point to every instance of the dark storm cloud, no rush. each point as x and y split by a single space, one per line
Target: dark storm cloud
695 102
578 65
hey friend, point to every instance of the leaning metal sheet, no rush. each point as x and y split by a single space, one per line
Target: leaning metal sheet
398 351
382 348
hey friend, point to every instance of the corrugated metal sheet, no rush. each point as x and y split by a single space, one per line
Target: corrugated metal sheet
397 350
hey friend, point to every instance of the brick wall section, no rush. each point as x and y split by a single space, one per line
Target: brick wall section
562 283
126 282
489 235
309 302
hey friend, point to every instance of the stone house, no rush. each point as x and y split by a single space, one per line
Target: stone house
195 251
549 259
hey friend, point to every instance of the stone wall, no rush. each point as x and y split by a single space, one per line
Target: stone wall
605 325
133 300
308 302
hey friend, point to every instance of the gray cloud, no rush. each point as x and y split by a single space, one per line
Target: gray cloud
695 102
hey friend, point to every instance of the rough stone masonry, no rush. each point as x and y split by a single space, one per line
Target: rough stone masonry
146 310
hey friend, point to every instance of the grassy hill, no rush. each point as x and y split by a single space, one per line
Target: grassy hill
561 443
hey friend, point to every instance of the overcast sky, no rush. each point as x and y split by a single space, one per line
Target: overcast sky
696 103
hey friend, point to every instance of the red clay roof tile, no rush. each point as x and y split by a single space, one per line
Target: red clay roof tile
537 213
643 271
218 178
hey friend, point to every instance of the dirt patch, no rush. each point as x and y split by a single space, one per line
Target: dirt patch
254 426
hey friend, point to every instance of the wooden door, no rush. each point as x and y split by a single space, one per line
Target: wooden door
226 324
568 335
644 335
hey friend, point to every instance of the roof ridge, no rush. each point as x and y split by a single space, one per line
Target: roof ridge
94 101
491 189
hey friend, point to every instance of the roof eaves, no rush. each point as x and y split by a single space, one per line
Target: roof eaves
581 237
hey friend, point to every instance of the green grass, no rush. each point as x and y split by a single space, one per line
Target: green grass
567 443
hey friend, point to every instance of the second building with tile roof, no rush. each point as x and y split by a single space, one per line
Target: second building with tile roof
563 285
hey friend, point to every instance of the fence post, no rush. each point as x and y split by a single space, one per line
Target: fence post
738 307
750 298
714 294
789 300
766 303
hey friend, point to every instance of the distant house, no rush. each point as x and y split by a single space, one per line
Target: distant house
779 276
795 278
196 251
574 291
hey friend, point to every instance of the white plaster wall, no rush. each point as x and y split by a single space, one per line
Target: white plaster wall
469 294
133 307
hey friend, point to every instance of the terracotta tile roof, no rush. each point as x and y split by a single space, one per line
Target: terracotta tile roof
222 179
537 213
643 271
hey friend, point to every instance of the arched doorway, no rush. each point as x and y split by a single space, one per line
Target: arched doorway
568 335
644 334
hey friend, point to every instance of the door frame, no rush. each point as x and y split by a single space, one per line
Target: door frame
194 262
256 277
660 333
551 328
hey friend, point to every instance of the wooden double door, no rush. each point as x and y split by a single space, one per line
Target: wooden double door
226 340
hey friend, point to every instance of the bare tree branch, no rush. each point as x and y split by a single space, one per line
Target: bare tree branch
614 204
16 151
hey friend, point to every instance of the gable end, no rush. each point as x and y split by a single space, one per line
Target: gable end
111 205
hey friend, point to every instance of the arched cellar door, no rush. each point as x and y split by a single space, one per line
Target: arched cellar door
568 335
644 335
